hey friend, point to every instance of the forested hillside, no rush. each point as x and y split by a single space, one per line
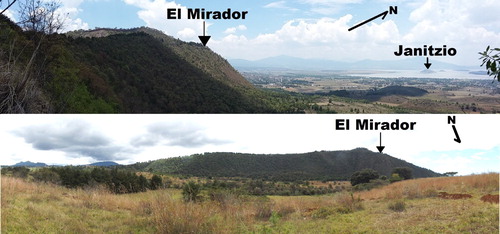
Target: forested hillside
130 71
324 165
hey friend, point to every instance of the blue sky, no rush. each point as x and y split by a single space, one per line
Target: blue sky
83 139
309 28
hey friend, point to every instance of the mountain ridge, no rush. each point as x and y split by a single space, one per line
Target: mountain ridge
104 164
29 164
40 164
318 165
140 70
194 57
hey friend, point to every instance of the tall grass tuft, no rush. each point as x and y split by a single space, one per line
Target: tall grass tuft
172 216
348 203
398 206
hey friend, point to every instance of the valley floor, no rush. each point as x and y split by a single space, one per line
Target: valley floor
413 206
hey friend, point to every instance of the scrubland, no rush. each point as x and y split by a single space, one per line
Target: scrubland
412 206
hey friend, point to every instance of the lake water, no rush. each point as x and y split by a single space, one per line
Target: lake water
444 74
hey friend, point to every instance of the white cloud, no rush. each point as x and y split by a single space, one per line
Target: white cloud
464 25
320 38
478 156
186 33
328 7
331 2
154 14
280 5
232 30
71 3
69 15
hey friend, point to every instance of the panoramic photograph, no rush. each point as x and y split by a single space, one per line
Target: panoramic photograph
296 56
247 174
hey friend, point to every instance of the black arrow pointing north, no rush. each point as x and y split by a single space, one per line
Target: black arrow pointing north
380 148
427 64
383 14
457 137
204 39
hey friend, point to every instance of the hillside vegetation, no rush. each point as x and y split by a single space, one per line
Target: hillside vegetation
29 207
129 71
324 165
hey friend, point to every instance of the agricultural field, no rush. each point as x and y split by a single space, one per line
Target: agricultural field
431 205
351 94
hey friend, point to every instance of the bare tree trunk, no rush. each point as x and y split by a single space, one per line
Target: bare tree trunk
20 90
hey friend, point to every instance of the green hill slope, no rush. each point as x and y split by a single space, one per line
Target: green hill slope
130 71
329 165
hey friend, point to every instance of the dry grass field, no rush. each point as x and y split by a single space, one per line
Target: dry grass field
412 206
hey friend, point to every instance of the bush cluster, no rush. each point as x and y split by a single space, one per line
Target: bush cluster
117 181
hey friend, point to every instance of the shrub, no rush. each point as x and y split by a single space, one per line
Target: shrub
373 184
20 172
398 206
322 213
275 218
405 173
363 176
224 198
191 191
395 178
156 182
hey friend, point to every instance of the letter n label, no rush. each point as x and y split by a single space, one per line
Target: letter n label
452 120
393 10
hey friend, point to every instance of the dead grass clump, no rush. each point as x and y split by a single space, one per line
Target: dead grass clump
398 206
430 193
284 211
225 199
145 208
323 212
455 196
490 198
12 185
412 191
171 216
263 210
347 203
101 198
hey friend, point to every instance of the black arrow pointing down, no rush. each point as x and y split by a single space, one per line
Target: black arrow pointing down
380 148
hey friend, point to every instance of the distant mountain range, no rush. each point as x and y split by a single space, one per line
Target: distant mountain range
293 63
39 164
29 164
329 165
104 164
